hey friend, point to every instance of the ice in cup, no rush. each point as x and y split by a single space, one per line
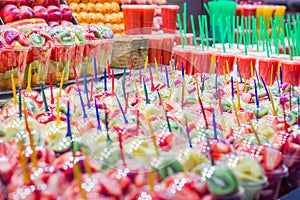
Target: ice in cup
274 183
244 64
132 19
265 68
155 46
147 15
202 61
290 71
169 18
167 46
183 56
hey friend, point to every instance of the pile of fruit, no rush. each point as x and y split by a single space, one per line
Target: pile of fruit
165 135
98 12
50 10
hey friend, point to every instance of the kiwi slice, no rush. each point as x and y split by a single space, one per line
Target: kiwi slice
37 40
60 145
65 39
113 158
80 36
226 105
291 118
169 167
222 181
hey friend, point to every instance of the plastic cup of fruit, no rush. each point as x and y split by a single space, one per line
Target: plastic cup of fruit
76 62
253 189
183 57
202 61
244 63
235 196
13 61
91 51
274 183
290 71
222 59
293 163
169 17
38 58
60 60
265 67
155 45
103 54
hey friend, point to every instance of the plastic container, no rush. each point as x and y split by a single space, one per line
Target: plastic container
253 189
290 71
167 46
236 196
91 51
274 179
132 19
244 63
13 61
155 46
147 15
60 60
76 62
222 59
189 38
265 68
38 58
104 54
183 56
169 18
202 61
293 164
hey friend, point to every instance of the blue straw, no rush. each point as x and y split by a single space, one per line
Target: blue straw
122 111
98 116
182 70
86 89
281 75
265 86
232 88
256 95
167 77
298 113
95 70
82 103
257 77
105 80
216 81
188 132
146 92
69 133
278 84
214 125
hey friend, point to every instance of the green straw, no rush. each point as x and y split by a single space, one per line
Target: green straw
248 31
237 32
267 45
206 31
262 32
289 43
184 22
214 31
201 31
193 29
233 28
222 33
229 29
180 29
242 29
256 36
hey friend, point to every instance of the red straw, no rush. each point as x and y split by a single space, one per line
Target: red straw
161 64
220 103
113 82
75 75
51 88
140 75
126 102
92 87
108 69
121 148
291 105
137 122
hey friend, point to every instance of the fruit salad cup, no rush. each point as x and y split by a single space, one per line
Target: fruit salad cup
202 61
91 51
244 63
265 68
38 57
222 59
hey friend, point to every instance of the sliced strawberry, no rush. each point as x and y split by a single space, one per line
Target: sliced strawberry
220 147
272 158
23 40
110 186
246 97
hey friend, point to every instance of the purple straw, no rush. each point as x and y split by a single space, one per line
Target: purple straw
122 111
214 125
232 88
105 80
98 116
82 103
167 77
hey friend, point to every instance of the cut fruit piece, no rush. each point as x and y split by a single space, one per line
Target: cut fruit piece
272 158
60 145
37 40
65 39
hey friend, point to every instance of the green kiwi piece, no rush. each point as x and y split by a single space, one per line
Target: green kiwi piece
60 145
37 40
291 118
65 39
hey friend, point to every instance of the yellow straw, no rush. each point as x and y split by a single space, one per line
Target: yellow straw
236 114
171 67
87 167
134 82
245 83
271 77
227 66
153 138
156 69
14 89
171 89
146 65
255 133
77 175
238 95
251 70
57 111
151 180
24 163
61 83
28 89
272 103
192 65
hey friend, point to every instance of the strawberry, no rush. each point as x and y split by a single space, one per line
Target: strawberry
272 158
246 97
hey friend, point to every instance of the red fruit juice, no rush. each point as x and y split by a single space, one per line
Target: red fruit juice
290 71
169 18
202 61
221 59
147 14
167 46
132 19
265 68
244 63
155 45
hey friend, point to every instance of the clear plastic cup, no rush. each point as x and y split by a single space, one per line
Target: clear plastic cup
147 15
105 54
189 38
202 61
253 189
76 62
183 56
38 58
169 18
290 71
265 67
132 19
222 59
13 61
293 164
236 196
167 46
91 51
60 60
274 179
244 63
155 45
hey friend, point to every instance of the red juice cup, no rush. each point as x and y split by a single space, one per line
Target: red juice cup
244 63
271 191
169 18
147 15
239 9
290 71
202 61
249 10
189 38
155 45
183 56
132 19
265 67
167 46
221 59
